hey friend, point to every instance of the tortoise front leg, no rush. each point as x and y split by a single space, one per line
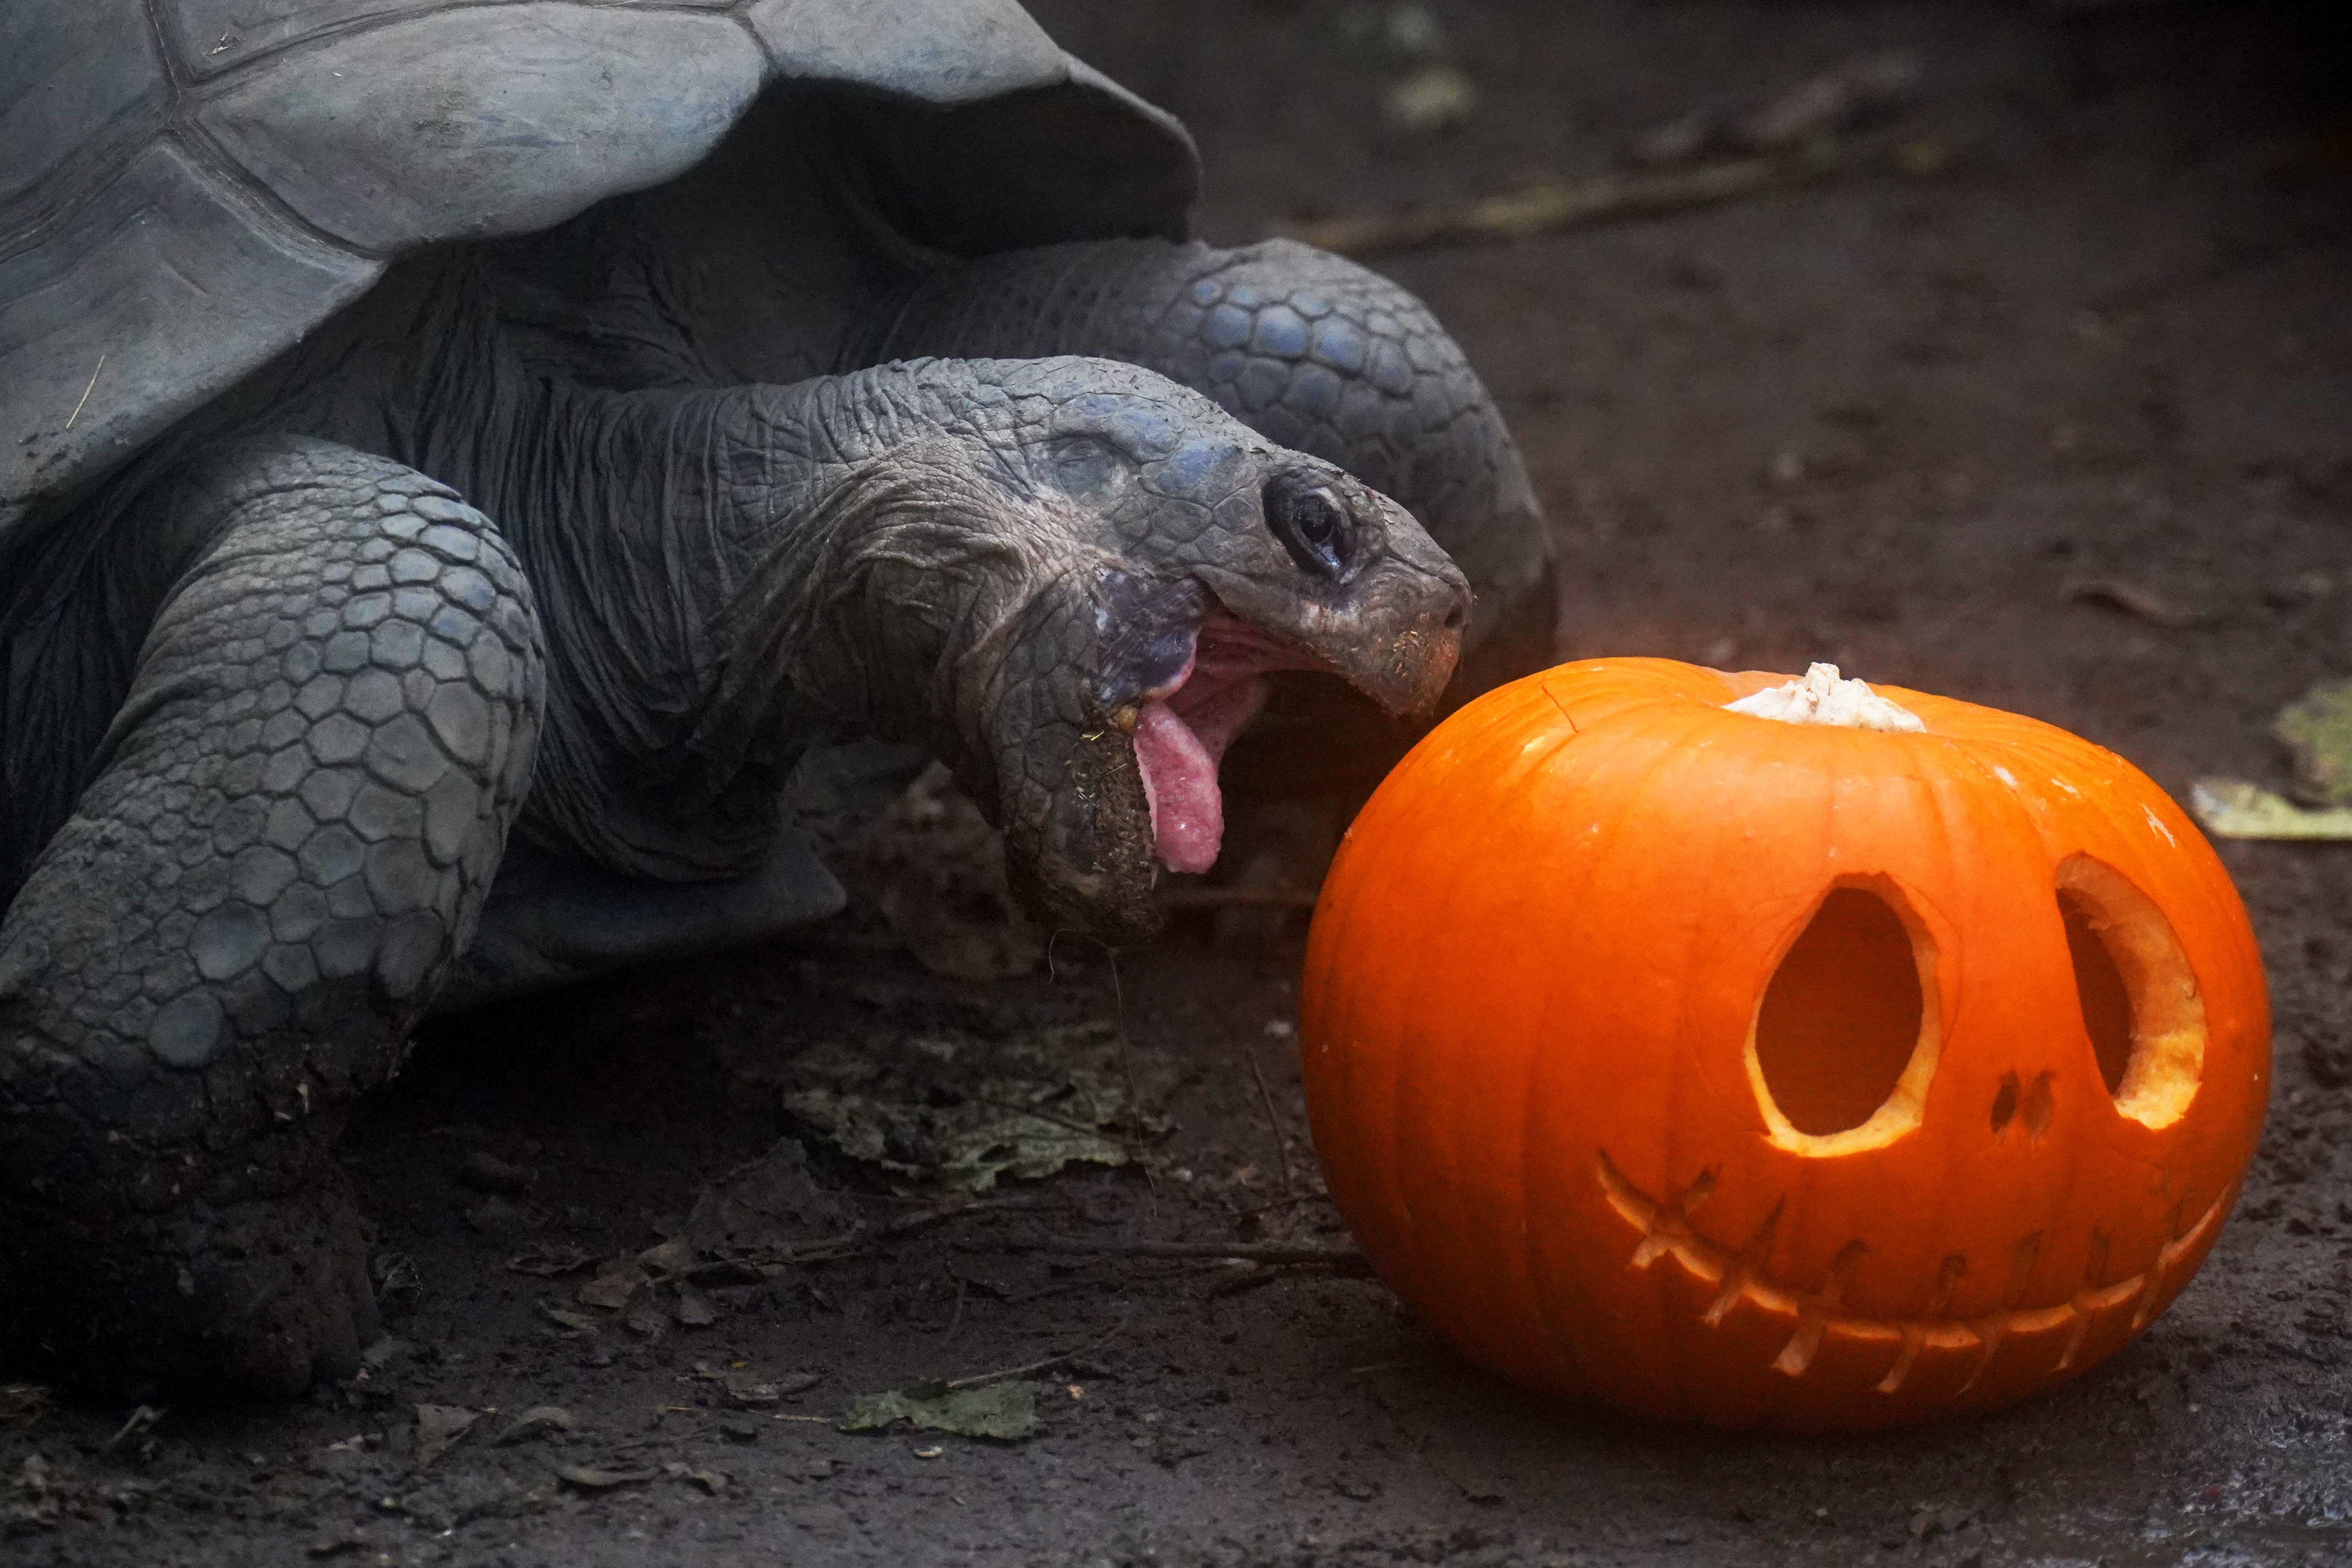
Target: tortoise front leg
286 835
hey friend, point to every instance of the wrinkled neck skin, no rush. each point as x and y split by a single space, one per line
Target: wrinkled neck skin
724 575
1069 578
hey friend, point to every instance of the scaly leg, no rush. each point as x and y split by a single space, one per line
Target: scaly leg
285 834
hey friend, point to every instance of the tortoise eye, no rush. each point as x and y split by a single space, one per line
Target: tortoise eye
1312 525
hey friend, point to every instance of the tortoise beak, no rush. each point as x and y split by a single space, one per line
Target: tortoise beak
1395 632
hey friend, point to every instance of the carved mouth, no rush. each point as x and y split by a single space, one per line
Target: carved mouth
1818 1315
1182 727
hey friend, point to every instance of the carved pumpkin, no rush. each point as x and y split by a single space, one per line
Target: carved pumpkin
1828 1061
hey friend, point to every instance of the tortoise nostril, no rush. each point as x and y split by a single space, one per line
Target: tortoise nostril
1456 617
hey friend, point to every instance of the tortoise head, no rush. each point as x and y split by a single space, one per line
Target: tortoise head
1075 580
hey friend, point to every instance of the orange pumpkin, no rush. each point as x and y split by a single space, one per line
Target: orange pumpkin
1773 1071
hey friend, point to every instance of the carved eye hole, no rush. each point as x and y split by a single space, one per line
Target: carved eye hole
1311 523
2140 1004
1845 1038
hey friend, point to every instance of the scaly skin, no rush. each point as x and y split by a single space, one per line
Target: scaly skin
288 828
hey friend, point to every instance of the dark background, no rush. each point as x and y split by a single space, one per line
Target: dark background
2100 329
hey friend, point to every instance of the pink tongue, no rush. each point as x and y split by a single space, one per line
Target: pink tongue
1180 782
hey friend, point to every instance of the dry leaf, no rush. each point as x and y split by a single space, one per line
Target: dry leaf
440 1426
1004 1411
2136 600
613 1284
2233 808
711 1481
595 1480
548 1259
536 1422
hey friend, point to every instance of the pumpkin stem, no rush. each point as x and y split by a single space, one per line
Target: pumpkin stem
1820 697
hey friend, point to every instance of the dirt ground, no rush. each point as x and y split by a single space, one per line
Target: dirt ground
2094 324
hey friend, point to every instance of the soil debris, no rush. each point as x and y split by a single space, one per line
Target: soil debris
588 1479
500 1218
1344 1257
439 1427
549 1259
2137 600
747 1390
712 1482
1845 98
1556 204
934 868
563 1317
23 1403
485 1173
959 1109
1434 98
536 1422
1856 93
141 1419
772 1208
614 1283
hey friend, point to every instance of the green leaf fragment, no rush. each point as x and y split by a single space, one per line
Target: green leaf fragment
1004 1411
2316 731
962 1109
2233 808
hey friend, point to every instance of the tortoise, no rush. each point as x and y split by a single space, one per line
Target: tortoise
602 445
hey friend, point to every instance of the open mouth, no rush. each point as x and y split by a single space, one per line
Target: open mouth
1183 728
1814 1318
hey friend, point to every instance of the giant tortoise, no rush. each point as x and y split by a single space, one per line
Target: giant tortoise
584 444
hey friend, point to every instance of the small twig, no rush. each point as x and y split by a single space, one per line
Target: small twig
1239 898
832 1249
1217 1251
78 406
2136 600
141 1417
1127 1071
1017 1109
979 1378
1566 204
1274 1123
954 1211
1278 1204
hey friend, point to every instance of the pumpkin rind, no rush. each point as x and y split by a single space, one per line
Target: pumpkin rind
1529 992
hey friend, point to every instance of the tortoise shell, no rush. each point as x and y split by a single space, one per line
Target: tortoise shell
190 186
